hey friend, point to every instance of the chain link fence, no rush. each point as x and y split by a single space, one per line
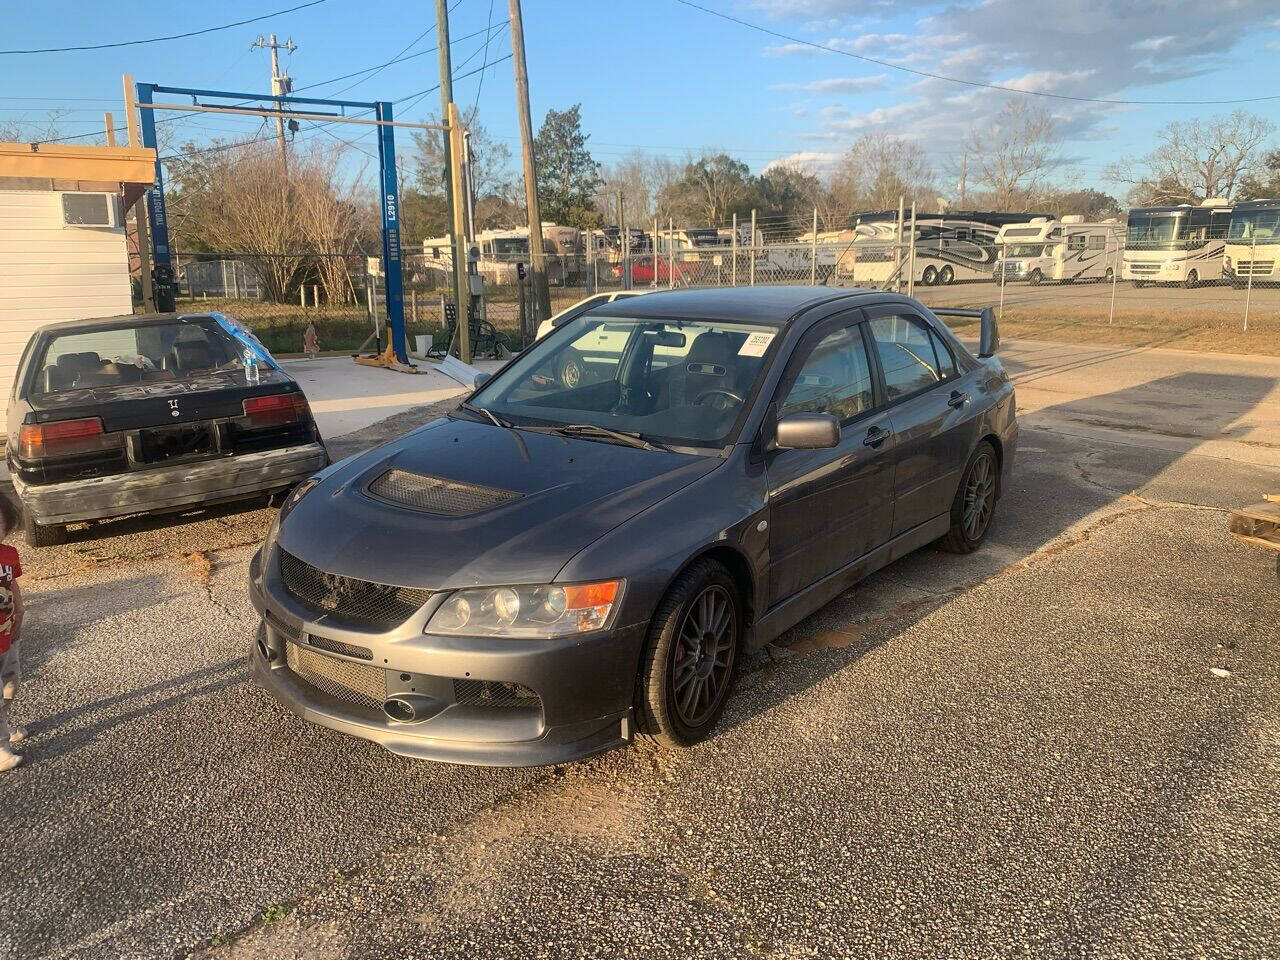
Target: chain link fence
280 295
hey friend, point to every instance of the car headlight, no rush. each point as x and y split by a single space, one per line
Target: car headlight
546 610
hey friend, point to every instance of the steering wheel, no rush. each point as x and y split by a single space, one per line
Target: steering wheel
720 392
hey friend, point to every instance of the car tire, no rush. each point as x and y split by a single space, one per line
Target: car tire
41 534
1109 276
946 275
974 505
677 702
930 276
1192 281
572 370
1035 278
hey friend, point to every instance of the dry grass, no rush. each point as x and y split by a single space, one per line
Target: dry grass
1212 332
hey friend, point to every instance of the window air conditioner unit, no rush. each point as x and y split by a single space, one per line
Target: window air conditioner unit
90 210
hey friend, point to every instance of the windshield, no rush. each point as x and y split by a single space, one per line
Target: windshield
1153 231
1026 250
1255 225
510 246
670 381
136 354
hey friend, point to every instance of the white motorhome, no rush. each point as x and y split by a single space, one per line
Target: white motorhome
1063 250
1252 251
946 247
1176 244
501 251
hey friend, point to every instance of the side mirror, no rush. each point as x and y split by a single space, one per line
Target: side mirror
806 431
989 341
481 379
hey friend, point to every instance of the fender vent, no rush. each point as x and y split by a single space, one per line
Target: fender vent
447 498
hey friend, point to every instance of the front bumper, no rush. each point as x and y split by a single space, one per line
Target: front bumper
577 691
174 487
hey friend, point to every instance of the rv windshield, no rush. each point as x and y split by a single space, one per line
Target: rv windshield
1154 230
1026 250
510 246
1255 225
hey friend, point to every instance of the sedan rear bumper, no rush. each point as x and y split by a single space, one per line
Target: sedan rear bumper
173 487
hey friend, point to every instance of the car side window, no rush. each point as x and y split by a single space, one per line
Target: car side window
836 378
1075 241
908 358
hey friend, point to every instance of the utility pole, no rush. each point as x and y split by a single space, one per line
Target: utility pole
281 84
537 259
460 280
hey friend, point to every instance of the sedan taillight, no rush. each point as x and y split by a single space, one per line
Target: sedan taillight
275 409
60 438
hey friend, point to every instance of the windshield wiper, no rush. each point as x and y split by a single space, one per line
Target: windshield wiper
493 418
591 429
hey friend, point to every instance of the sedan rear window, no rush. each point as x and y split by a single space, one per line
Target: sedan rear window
139 353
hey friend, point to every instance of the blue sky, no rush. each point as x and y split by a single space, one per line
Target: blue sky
670 79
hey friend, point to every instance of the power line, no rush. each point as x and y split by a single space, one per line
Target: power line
969 83
475 106
176 36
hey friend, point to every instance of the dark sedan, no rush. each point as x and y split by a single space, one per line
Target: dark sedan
150 414
548 571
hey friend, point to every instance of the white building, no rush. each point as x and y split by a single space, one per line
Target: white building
63 250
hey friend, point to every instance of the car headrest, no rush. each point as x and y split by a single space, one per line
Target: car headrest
78 364
710 354
189 355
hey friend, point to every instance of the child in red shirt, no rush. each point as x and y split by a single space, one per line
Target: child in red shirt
10 633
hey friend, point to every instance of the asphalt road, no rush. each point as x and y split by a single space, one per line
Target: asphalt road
1066 745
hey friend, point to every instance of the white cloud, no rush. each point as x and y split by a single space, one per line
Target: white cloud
1031 45
820 163
790 49
838 85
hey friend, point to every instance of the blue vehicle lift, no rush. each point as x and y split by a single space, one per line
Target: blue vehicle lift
289 107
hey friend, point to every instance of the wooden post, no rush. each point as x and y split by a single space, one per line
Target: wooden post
111 128
537 257
461 284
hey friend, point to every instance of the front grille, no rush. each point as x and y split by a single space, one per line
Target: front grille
338 646
1255 268
375 603
1144 268
433 495
491 693
355 683
280 626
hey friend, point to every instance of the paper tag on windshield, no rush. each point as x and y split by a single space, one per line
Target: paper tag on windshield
755 345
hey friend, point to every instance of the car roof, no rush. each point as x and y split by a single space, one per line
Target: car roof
129 319
773 305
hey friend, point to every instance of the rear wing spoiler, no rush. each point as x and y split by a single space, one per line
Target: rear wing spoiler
989 340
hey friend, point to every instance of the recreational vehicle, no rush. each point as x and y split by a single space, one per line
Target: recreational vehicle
1176 244
501 251
1253 243
947 247
1064 250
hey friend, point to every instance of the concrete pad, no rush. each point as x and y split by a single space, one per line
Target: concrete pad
346 396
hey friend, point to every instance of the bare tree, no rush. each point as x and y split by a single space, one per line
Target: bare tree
1197 159
874 172
1012 156
710 188
240 200
333 217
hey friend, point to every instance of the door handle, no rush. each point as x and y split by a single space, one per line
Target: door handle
957 399
875 436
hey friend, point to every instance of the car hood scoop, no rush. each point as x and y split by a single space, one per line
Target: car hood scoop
457 504
444 498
